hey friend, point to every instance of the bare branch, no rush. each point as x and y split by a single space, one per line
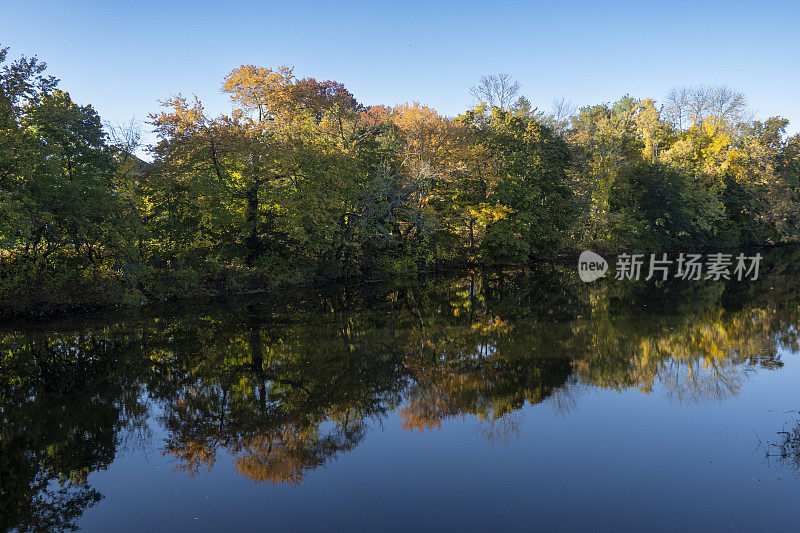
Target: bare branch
496 90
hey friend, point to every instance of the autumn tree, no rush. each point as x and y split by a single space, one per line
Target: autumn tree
301 181
635 190
532 202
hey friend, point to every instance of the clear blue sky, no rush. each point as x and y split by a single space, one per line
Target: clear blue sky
124 57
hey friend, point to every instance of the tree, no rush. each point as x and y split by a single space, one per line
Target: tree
60 215
637 192
531 190
560 115
57 171
301 181
495 90
677 107
719 104
789 161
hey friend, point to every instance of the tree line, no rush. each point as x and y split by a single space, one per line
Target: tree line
301 181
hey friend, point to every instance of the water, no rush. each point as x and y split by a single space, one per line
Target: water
520 400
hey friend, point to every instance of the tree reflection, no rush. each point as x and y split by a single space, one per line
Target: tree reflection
63 404
285 455
286 385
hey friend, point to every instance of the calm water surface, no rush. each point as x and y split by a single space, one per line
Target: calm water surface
521 400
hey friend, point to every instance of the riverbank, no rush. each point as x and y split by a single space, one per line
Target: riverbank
47 298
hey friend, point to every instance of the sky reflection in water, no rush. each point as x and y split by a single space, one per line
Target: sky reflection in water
480 400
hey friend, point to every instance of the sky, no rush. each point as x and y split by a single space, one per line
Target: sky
124 57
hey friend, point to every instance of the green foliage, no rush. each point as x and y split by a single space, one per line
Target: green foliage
60 214
531 188
657 207
646 184
302 182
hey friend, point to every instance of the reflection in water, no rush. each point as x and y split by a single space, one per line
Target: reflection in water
286 385
65 400
787 448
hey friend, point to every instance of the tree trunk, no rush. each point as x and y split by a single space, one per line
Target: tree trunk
252 241
471 234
